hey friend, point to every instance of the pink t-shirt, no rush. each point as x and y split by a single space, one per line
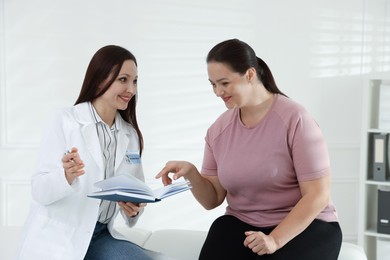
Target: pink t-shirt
260 167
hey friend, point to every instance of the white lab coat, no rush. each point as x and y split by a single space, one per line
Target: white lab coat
62 218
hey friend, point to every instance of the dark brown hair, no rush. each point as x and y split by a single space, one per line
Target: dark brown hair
239 56
106 65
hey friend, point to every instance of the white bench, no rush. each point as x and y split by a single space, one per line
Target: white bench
179 244
186 244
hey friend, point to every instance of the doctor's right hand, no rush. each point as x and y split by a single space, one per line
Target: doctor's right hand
73 165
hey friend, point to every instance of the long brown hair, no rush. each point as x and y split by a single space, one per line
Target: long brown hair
106 64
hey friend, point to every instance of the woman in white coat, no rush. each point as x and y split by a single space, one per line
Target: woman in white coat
95 139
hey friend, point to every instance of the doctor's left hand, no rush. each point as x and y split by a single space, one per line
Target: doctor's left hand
131 209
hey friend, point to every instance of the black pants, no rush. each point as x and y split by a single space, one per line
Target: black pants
319 241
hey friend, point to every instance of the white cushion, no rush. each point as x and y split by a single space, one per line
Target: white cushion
178 244
136 235
351 251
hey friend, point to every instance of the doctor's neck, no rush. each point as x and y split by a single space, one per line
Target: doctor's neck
106 114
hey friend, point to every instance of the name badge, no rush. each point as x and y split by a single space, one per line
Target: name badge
133 157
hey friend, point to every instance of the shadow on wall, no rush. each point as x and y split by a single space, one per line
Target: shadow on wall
341 46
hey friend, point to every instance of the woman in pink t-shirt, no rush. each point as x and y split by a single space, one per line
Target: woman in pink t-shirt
267 157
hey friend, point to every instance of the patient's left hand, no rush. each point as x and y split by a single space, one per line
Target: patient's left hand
260 243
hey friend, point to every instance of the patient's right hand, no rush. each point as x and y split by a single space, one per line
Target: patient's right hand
179 169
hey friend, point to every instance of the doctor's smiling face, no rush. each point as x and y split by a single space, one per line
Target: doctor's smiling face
121 90
110 83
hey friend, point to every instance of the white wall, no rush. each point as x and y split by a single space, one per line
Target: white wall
320 53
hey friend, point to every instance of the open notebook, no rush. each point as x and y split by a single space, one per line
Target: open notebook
129 188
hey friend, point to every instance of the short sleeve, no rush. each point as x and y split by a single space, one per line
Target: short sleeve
309 150
209 166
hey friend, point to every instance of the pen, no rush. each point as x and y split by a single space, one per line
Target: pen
68 152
